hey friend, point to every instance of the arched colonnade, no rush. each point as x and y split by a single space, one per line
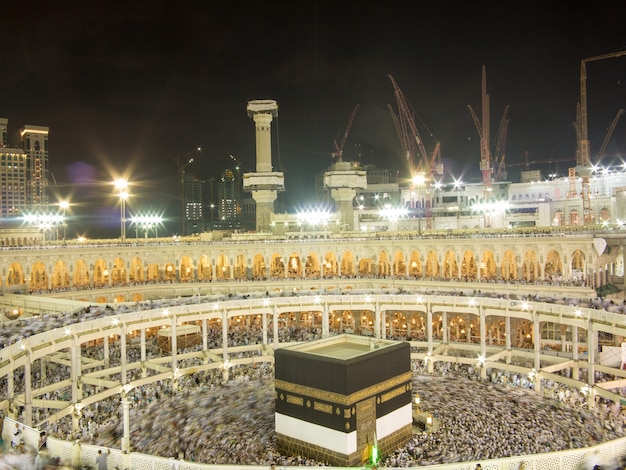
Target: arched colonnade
79 270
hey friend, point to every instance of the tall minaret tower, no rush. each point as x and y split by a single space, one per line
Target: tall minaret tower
264 183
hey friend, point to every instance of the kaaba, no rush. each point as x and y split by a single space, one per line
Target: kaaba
338 398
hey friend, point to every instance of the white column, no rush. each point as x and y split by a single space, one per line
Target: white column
592 351
224 335
275 326
142 339
105 345
264 320
174 346
483 339
123 354
263 136
537 343
429 328
28 400
325 322
126 419
377 321
575 369
205 329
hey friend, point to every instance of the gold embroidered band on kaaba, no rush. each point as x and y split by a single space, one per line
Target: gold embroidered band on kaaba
339 398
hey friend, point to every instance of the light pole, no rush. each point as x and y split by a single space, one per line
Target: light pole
418 181
122 187
64 205
182 162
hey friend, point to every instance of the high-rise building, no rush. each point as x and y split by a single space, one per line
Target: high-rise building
228 197
13 183
3 132
23 171
193 206
34 142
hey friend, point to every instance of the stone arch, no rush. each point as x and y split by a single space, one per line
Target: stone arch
432 264
118 273
559 218
15 275
605 214
312 266
554 265
531 270
330 264
578 266
204 268
259 270
277 266
38 277
170 272
186 273
415 264
294 266
384 268
399 265
80 279
137 297
136 273
508 266
240 269
469 269
366 267
100 273
348 266
488 268
450 268
222 268
60 278
153 273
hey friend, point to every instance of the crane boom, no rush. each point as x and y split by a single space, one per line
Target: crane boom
338 153
500 150
412 143
404 140
609 134
479 127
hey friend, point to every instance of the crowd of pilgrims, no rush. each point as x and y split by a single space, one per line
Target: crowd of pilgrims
202 418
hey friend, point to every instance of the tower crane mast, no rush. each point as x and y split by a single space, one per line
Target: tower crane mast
489 162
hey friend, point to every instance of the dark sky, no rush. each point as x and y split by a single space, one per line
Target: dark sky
125 87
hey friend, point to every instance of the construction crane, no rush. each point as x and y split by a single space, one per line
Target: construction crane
583 158
609 134
488 161
583 132
338 153
499 156
418 160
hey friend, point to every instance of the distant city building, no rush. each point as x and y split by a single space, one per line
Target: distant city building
3 132
23 171
228 201
34 142
248 213
193 205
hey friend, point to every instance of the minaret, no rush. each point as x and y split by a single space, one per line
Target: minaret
343 179
263 183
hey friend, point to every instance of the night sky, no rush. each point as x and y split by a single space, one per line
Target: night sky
126 87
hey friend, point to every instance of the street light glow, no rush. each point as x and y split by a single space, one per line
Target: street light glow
121 185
